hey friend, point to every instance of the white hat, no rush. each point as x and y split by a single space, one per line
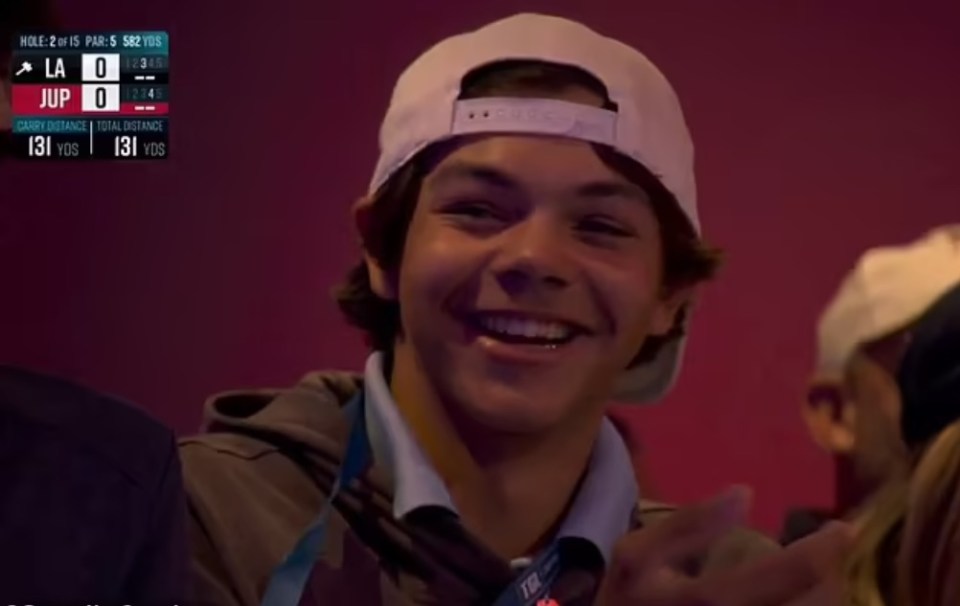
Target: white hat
647 126
890 288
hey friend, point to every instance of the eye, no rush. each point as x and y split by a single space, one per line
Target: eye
604 226
474 210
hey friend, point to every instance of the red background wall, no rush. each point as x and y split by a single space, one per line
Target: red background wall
822 127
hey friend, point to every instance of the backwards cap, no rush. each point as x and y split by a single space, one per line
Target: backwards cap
889 289
647 126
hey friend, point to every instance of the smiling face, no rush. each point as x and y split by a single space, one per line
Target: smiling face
530 278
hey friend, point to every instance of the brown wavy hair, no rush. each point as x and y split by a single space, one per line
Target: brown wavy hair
688 260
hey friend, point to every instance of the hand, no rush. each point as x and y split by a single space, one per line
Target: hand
646 568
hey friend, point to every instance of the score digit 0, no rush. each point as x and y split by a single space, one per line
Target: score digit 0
101 97
101 68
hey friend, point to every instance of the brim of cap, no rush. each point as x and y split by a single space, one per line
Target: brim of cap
648 383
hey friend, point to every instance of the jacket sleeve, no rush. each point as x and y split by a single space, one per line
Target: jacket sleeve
211 521
239 525
159 571
209 584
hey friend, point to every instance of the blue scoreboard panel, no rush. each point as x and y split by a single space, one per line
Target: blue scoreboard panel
91 96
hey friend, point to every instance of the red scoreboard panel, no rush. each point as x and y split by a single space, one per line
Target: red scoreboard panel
92 95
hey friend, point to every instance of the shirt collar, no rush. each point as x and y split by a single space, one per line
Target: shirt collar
414 481
600 512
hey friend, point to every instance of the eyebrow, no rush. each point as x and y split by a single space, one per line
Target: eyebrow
474 172
494 177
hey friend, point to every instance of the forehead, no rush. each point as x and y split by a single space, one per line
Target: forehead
524 161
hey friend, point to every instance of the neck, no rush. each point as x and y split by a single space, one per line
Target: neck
511 490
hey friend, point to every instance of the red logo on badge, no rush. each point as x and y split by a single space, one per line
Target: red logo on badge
547 602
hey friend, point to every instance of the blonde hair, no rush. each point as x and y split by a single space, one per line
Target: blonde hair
907 551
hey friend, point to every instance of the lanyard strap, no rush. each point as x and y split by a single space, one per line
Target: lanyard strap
289 579
535 582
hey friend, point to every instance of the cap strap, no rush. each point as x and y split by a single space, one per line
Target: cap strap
536 116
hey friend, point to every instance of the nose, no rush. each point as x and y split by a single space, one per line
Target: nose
534 254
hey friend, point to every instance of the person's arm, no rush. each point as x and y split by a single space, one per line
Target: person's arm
734 547
223 567
159 573
737 547
653 564
208 585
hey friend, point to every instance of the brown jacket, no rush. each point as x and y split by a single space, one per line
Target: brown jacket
260 474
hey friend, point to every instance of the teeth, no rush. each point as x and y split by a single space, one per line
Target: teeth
533 329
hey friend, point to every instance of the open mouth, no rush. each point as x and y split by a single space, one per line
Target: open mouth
517 329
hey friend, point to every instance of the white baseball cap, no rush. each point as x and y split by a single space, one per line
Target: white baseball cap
647 126
890 288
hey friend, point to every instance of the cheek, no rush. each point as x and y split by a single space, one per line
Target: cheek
629 300
878 416
629 292
882 398
890 404
433 266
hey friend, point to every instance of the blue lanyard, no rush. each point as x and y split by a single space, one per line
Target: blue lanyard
534 584
289 579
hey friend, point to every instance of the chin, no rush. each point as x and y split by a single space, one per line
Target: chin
508 409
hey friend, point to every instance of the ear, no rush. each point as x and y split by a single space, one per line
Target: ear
830 418
382 282
667 309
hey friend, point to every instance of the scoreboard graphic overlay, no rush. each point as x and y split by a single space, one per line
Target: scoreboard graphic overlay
98 95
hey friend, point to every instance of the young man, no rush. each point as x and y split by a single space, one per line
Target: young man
853 407
91 498
531 248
